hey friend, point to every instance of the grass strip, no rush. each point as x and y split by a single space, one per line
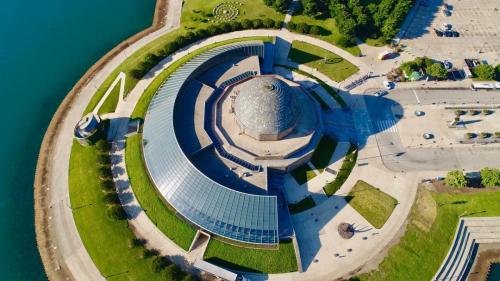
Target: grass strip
105 240
421 251
252 260
344 172
164 218
304 204
109 105
374 205
326 62
303 174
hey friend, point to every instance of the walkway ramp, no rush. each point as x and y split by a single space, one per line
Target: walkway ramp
470 233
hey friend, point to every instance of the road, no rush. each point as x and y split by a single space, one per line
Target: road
440 96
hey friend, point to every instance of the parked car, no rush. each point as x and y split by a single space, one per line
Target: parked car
446 12
419 113
380 93
447 26
388 85
447 64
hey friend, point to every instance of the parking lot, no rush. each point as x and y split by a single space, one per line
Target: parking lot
476 21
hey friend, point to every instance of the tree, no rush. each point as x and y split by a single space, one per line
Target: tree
116 212
268 23
103 146
455 178
485 72
315 30
246 24
437 70
291 26
159 263
490 177
189 277
310 7
303 27
173 272
111 198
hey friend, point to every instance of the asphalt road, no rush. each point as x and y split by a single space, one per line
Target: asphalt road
440 96
382 117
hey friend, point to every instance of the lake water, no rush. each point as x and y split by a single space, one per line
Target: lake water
45 47
494 273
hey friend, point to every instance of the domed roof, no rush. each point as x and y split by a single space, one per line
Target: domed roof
266 106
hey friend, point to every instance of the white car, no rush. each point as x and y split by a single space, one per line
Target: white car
419 113
428 136
388 84
447 64
447 26
380 93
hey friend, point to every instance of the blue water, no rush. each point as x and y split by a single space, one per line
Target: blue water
494 273
45 47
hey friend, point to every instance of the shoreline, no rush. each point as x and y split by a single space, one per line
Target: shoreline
43 234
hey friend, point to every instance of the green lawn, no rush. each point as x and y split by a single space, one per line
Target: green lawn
421 251
194 12
252 260
323 153
344 172
335 67
109 105
105 240
374 205
165 219
302 205
330 34
143 103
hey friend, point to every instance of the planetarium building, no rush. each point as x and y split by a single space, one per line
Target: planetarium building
220 134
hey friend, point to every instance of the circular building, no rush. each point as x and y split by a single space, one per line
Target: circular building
266 108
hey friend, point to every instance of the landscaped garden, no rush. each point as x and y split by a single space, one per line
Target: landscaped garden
326 62
252 260
374 205
429 233
344 172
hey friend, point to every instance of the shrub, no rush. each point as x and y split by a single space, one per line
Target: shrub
105 172
148 253
470 135
455 178
111 198
315 30
484 135
103 146
484 72
159 263
497 135
473 112
135 242
257 23
437 70
246 24
303 27
490 177
108 185
459 112
268 23
486 112
104 159
116 212
235 25
291 26
173 272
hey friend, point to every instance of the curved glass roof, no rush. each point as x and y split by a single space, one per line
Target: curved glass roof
209 205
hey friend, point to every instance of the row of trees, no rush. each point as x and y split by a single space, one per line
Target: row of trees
354 17
490 177
279 5
152 59
115 211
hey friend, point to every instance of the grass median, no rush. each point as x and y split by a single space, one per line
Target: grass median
344 172
422 249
